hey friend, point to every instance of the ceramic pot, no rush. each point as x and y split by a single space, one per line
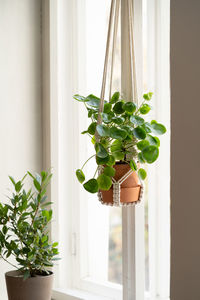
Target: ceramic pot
130 188
33 288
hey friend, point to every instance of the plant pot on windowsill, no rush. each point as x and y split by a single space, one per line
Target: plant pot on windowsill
130 189
33 288
24 234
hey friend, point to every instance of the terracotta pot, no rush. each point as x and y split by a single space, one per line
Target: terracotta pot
34 288
130 188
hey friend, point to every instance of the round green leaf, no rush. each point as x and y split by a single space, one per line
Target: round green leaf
102 161
111 161
115 97
101 151
148 96
103 130
136 120
158 128
104 182
150 153
141 158
118 108
139 133
93 101
118 120
142 144
133 165
92 128
79 98
107 108
107 118
129 107
109 171
116 146
142 174
145 108
116 133
119 155
80 175
147 127
91 186
153 140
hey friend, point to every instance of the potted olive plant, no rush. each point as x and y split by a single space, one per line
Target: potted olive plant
24 236
125 141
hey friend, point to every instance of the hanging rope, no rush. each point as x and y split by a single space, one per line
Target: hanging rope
113 24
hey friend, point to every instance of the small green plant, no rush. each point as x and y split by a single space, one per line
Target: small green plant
24 232
124 137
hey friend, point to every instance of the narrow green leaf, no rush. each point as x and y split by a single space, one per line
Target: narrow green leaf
115 97
142 174
80 175
133 165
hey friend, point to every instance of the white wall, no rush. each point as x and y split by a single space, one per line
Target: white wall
20 94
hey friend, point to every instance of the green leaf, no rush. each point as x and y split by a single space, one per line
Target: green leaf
26 275
141 158
153 140
80 175
101 151
116 146
145 108
142 174
116 133
109 171
129 107
107 118
133 165
91 186
118 120
111 161
104 182
150 153
92 128
158 128
107 108
136 120
148 96
118 108
103 130
18 186
147 127
79 98
12 180
102 161
142 144
37 185
139 133
119 155
93 101
115 97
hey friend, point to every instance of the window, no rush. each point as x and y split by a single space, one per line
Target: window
91 236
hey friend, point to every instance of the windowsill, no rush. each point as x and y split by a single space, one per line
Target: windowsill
62 294
69 294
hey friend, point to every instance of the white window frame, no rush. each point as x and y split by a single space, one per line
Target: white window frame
66 78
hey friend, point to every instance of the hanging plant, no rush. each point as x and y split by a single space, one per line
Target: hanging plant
124 138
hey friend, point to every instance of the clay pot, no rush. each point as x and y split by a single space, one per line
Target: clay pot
130 188
33 288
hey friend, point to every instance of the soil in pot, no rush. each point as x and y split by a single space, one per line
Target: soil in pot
130 188
33 288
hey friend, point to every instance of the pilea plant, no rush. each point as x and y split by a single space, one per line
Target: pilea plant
124 137
24 228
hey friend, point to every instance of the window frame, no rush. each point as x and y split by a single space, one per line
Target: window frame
64 62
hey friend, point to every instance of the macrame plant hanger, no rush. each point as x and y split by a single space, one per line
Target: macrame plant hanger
112 30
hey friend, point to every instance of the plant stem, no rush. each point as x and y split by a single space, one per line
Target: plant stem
87 161
8 262
95 172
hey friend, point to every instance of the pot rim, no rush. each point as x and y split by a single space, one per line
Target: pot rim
16 273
